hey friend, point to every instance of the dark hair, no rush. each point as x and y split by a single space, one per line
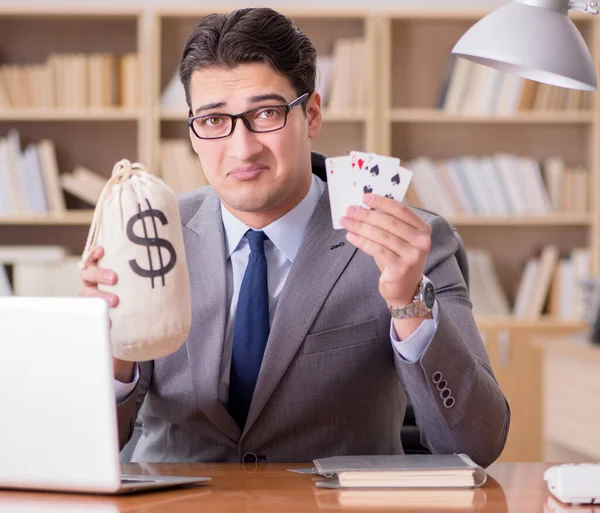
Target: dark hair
250 35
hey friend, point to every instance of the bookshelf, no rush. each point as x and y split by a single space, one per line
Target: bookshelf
400 117
425 115
414 125
83 133
81 217
106 114
400 114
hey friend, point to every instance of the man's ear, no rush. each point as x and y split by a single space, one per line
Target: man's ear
314 115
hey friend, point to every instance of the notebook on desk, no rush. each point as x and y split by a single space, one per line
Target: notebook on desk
400 471
58 424
409 499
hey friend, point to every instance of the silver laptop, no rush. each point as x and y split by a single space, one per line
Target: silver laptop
58 425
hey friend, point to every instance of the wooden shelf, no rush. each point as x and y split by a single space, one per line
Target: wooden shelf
24 114
70 218
555 219
488 322
459 14
349 116
184 11
438 116
69 11
396 121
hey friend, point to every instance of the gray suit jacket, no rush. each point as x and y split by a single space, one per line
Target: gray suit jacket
330 381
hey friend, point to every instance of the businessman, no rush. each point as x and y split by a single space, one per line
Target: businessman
306 341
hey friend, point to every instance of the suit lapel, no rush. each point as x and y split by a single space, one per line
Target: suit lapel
322 257
205 249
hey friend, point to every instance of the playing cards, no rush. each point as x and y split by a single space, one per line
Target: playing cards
350 177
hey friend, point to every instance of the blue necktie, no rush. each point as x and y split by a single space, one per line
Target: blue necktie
251 329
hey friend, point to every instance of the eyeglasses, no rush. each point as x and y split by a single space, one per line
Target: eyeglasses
260 120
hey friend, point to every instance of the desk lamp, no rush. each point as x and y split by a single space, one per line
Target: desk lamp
534 39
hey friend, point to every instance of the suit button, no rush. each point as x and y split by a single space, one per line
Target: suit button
442 384
437 377
249 457
449 402
444 394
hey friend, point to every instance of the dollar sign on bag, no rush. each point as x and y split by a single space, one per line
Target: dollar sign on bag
147 241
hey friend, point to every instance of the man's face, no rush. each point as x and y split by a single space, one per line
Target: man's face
254 172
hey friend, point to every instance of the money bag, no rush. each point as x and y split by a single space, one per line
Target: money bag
137 223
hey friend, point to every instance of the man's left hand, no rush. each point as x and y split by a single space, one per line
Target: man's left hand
399 241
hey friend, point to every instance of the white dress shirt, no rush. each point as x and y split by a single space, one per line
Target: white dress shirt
284 239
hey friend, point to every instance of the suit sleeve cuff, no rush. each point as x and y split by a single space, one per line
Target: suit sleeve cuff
124 390
415 346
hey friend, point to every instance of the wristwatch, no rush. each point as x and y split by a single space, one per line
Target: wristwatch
421 305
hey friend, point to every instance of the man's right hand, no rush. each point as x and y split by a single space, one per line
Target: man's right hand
91 276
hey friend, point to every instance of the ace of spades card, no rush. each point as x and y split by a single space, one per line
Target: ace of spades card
382 176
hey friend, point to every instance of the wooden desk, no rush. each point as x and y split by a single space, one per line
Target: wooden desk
511 487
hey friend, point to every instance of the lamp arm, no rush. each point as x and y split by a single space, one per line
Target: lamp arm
588 6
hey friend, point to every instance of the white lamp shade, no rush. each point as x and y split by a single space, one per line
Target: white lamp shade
533 42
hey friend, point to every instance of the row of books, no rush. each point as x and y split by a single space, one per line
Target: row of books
180 168
341 77
341 80
556 282
31 182
550 284
29 179
38 271
470 88
97 80
72 81
500 184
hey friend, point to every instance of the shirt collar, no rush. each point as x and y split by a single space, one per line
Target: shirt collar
286 232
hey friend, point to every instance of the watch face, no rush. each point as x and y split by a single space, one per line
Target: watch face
429 296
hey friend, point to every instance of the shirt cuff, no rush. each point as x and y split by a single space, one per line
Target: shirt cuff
414 346
124 390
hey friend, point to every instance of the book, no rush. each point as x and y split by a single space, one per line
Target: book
414 499
51 178
84 184
44 279
400 471
10 254
173 96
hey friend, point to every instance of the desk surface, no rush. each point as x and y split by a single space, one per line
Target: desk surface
511 487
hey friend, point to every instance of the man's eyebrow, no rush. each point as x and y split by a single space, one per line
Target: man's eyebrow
268 96
209 106
253 99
